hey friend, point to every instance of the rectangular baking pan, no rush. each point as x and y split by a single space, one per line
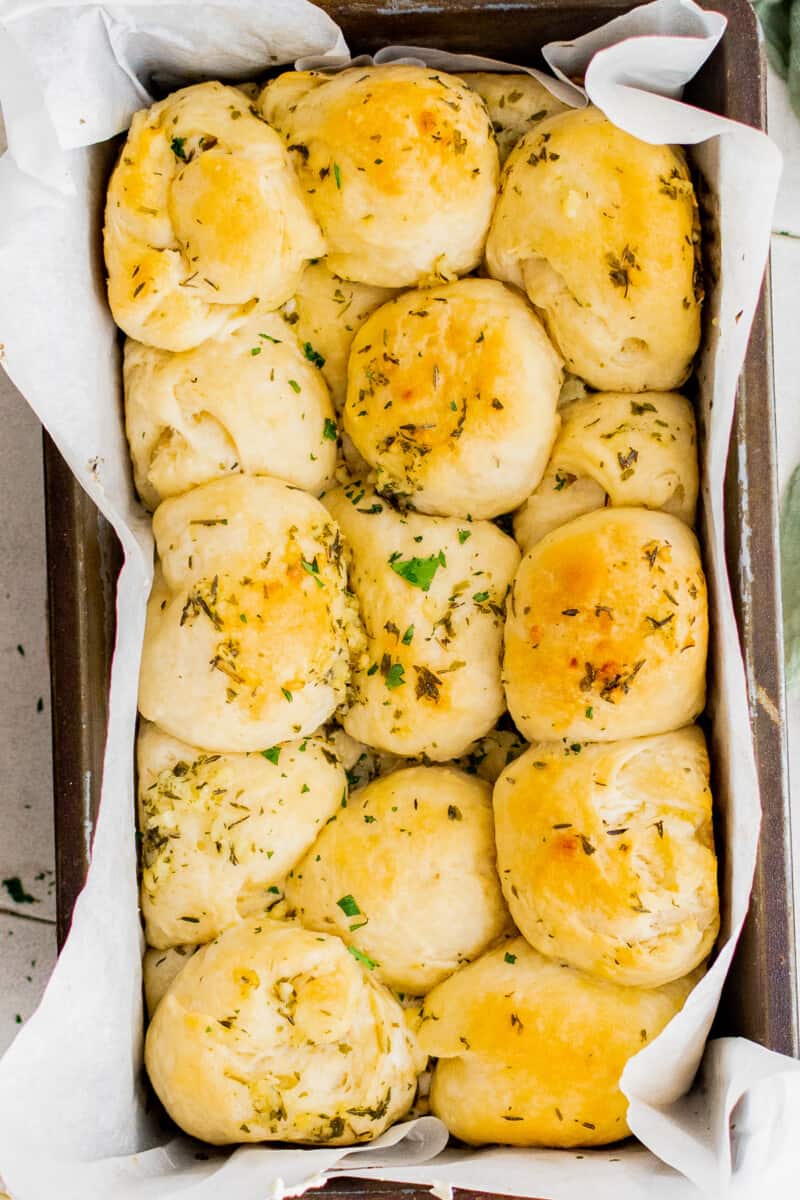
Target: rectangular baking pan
760 997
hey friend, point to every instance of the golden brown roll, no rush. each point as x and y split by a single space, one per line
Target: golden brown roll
326 312
607 629
248 400
619 450
272 1033
606 856
451 397
249 624
531 1051
406 873
204 219
431 593
602 232
220 831
399 166
516 103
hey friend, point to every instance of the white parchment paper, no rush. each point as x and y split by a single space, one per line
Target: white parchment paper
72 1118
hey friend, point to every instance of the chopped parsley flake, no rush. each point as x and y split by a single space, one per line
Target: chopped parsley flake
337 175
312 569
464 535
16 891
272 755
330 431
177 147
363 958
394 676
419 572
313 355
349 906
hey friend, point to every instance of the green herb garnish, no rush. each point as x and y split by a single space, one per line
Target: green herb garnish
419 572
349 906
313 355
363 958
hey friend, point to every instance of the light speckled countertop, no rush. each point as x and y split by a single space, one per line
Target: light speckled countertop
27 901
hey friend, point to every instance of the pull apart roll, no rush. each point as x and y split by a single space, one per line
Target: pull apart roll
602 232
220 831
399 165
275 1034
204 219
606 854
615 450
531 1051
431 593
607 629
249 624
247 401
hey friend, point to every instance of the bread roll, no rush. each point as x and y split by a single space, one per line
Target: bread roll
220 831
204 219
159 968
607 629
531 1051
451 397
247 400
516 103
248 623
406 873
619 450
607 856
431 592
602 232
326 312
274 1034
399 165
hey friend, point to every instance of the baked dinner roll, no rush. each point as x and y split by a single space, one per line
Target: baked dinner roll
602 232
275 1034
619 450
516 103
606 856
247 400
451 397
220 831
204 219
399 166
531 1051
249 623
406 873
326 312
431 592
159 968
607 629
